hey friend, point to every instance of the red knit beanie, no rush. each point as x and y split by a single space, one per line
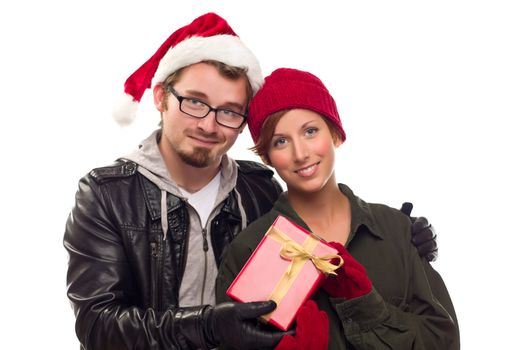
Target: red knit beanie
288 88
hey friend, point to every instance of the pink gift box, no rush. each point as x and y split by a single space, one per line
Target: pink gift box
288 281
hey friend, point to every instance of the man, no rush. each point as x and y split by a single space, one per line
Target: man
147 233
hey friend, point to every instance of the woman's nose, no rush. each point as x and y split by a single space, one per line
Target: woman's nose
301 152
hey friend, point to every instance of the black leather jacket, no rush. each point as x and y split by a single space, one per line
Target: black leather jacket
123 278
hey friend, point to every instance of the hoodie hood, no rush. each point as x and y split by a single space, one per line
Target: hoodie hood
151 165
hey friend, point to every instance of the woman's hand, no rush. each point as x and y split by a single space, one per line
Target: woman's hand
311 332
351 280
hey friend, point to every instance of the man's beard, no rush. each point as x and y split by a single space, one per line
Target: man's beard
198 158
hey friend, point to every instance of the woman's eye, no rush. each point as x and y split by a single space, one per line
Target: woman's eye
279 142
311 131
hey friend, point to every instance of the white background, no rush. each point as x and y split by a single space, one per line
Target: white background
430 94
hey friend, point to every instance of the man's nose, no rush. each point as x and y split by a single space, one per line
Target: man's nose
208 123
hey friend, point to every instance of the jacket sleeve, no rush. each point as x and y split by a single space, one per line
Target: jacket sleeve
424 321
230 266
101 287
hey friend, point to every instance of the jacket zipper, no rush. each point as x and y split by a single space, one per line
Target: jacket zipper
205 249
154 246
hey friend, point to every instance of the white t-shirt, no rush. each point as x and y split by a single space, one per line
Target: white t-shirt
204 199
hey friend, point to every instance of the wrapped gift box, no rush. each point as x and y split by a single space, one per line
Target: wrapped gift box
287 266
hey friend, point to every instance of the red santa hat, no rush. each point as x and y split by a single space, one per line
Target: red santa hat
208 37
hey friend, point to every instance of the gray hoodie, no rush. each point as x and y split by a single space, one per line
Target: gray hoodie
198 282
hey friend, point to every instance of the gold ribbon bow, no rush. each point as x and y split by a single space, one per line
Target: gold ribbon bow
292 250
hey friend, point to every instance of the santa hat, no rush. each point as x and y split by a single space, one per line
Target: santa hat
208 37
286 89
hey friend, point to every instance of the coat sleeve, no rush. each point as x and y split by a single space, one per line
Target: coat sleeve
235 258
101 287
423 322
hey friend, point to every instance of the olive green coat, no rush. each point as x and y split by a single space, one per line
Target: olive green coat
409 306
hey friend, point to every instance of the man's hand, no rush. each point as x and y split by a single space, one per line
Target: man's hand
423 234
233 324
311 331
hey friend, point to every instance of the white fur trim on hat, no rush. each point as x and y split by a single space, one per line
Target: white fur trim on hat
125 110
224 48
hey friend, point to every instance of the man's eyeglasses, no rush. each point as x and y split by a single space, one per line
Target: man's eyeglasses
198 109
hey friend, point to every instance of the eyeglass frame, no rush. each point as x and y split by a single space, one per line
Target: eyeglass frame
210 109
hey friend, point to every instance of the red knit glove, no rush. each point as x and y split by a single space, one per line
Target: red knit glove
351 280
311 332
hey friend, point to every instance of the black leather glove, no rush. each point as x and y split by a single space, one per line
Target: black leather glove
235 325
230 324
423 234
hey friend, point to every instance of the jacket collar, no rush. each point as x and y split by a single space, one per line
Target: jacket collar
362 217
231 207
152 195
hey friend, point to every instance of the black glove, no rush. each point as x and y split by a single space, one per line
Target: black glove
423 234
235 325
230 324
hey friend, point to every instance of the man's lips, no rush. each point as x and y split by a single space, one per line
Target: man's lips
204 140
307 170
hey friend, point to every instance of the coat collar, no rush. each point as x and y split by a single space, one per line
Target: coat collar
362 217
152 195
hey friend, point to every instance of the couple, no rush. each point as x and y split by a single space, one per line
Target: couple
147 235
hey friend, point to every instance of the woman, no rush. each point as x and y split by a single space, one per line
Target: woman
385 296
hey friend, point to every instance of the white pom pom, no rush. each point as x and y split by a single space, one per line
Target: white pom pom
125 110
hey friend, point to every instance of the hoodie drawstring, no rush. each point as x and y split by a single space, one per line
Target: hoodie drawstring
164 213
244 220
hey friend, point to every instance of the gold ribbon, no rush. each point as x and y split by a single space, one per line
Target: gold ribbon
291 250
298 255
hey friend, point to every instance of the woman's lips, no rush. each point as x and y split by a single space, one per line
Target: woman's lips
307 171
